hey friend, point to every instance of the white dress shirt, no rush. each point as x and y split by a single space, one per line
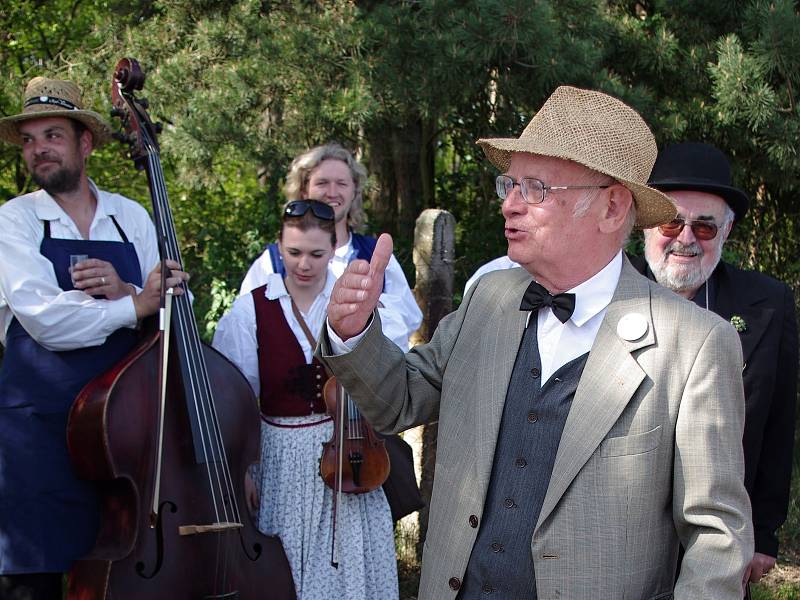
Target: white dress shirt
236 331
56 319
559 343
400 315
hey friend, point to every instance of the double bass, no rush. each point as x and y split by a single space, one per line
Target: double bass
167 435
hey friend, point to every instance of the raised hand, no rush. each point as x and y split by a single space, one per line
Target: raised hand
356 293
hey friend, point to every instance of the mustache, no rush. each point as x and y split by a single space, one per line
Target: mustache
676 246
44 158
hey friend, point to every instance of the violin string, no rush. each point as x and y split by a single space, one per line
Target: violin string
201 394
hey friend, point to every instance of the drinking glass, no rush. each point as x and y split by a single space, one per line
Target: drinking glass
74 259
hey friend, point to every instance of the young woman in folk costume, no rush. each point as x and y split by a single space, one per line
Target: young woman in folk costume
266 334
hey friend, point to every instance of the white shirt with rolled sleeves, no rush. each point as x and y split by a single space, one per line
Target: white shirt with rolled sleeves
400 315
57 319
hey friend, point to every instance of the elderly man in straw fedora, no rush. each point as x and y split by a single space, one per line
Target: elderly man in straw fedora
590 420
78 268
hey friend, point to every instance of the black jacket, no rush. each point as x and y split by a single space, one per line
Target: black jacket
769 345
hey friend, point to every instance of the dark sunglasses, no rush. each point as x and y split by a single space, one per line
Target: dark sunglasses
297 208
702 230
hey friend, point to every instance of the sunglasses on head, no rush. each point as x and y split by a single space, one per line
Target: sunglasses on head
702 230
297 208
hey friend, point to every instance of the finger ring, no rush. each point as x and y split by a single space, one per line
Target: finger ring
103 280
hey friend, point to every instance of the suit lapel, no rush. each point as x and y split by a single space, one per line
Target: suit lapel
609 380
741 300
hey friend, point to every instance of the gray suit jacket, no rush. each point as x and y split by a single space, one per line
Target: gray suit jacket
651 452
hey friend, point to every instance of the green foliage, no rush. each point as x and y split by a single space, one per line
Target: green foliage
244 85
785 591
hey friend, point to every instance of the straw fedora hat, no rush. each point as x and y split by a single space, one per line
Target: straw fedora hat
596 131
54 98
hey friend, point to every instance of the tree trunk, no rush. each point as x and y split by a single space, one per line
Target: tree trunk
434 255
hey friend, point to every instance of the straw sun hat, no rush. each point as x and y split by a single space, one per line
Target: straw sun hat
596 131
54 98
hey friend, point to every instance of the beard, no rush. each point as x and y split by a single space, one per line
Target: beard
682 277
61 181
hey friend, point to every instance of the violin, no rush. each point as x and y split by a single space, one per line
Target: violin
355 460
168 434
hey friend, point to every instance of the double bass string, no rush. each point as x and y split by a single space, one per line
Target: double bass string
202 398
208 422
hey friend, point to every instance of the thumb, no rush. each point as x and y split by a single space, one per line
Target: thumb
381 255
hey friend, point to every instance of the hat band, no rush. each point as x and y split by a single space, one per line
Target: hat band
52 101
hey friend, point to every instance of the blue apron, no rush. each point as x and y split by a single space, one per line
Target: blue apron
48 517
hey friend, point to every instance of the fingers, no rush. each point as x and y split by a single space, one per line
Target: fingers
175 277
381 255
98 278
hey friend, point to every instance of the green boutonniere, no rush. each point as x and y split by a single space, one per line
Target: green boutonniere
738 323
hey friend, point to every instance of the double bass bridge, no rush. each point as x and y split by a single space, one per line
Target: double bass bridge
212 528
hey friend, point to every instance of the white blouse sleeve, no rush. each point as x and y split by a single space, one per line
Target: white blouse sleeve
236 339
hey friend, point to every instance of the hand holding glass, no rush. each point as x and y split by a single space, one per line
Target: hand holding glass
74 259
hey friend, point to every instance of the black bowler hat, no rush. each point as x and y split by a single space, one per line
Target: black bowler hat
698 167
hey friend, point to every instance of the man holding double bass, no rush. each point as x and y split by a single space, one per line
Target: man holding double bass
79 268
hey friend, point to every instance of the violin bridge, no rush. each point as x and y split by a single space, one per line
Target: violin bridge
213 528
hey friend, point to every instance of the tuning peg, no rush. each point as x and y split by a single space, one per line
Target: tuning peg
117 112
158 127
144 102
121 137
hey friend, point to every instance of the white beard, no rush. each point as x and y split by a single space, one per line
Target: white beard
682 277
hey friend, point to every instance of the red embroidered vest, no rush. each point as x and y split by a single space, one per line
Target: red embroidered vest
289 386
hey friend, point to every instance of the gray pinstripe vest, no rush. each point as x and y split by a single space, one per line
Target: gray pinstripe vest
501 565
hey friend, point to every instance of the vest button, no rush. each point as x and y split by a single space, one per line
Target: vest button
497 547
473 521
532 417
487 589
454 583
508 503
535 372
521 463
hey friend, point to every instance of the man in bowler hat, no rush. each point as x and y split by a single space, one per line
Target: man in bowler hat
589 419
684 255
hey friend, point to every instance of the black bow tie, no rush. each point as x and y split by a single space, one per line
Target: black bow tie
536 296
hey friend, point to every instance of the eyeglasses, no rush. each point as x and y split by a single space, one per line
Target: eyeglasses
702 230
298 208
534 190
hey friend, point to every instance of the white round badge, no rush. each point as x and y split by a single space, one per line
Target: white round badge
632 327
